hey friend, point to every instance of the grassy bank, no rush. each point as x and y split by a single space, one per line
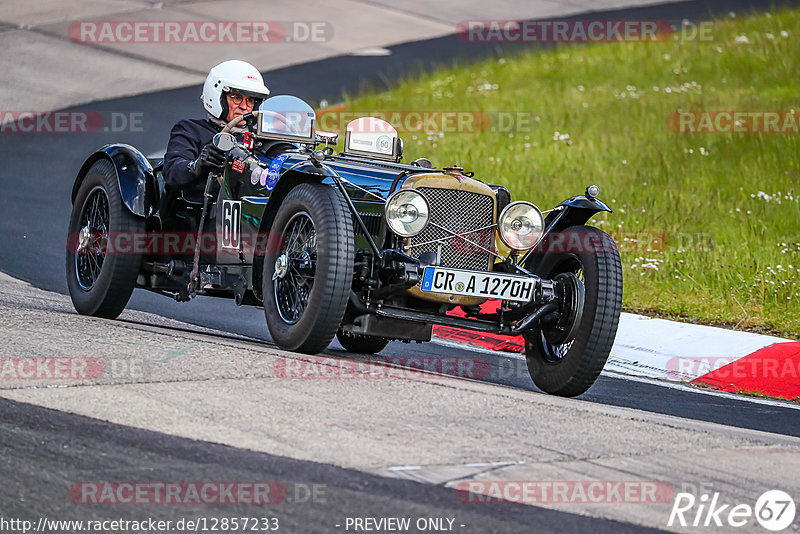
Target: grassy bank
708 223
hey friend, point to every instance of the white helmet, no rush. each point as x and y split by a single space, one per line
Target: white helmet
231 76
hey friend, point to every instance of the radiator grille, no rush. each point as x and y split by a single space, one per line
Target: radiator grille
457 211
373 222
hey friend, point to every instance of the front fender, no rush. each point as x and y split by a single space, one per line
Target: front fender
574 211
137 184
288 180
300 172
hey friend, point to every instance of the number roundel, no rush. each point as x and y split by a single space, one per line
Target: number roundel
231 223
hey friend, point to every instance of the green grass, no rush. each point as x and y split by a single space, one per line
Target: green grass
760 395
731 257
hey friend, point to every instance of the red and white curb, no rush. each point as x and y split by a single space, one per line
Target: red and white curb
683 352
727 360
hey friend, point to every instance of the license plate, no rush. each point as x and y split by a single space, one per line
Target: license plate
477 284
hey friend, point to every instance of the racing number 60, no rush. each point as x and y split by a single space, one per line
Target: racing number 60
231 223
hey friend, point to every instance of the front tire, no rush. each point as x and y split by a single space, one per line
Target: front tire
100 280
308 268
568 365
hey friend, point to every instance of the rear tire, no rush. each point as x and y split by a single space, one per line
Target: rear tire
569 367
100 283
361 343
308 268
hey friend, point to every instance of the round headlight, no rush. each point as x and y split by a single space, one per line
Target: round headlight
520 225
407 212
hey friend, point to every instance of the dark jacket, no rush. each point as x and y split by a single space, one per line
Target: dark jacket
187 139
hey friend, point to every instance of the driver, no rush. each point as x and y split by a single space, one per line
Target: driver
232 89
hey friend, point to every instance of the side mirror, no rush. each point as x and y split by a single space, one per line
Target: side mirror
224 141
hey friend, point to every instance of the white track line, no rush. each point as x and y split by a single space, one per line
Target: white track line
704 391
663 383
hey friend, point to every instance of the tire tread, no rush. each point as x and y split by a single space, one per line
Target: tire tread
567 377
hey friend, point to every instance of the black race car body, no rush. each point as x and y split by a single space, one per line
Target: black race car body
355 244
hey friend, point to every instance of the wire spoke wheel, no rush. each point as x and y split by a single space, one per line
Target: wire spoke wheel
93 239
100 277
293 286
308 268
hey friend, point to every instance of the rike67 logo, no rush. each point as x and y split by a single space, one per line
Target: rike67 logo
774 510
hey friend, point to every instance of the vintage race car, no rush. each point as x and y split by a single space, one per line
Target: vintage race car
356 245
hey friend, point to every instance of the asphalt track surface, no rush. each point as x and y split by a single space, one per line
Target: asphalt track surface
64 449
37 176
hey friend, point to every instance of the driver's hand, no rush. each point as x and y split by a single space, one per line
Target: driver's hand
211 159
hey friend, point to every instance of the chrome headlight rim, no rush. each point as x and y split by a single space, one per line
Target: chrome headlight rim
394 196
504 213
